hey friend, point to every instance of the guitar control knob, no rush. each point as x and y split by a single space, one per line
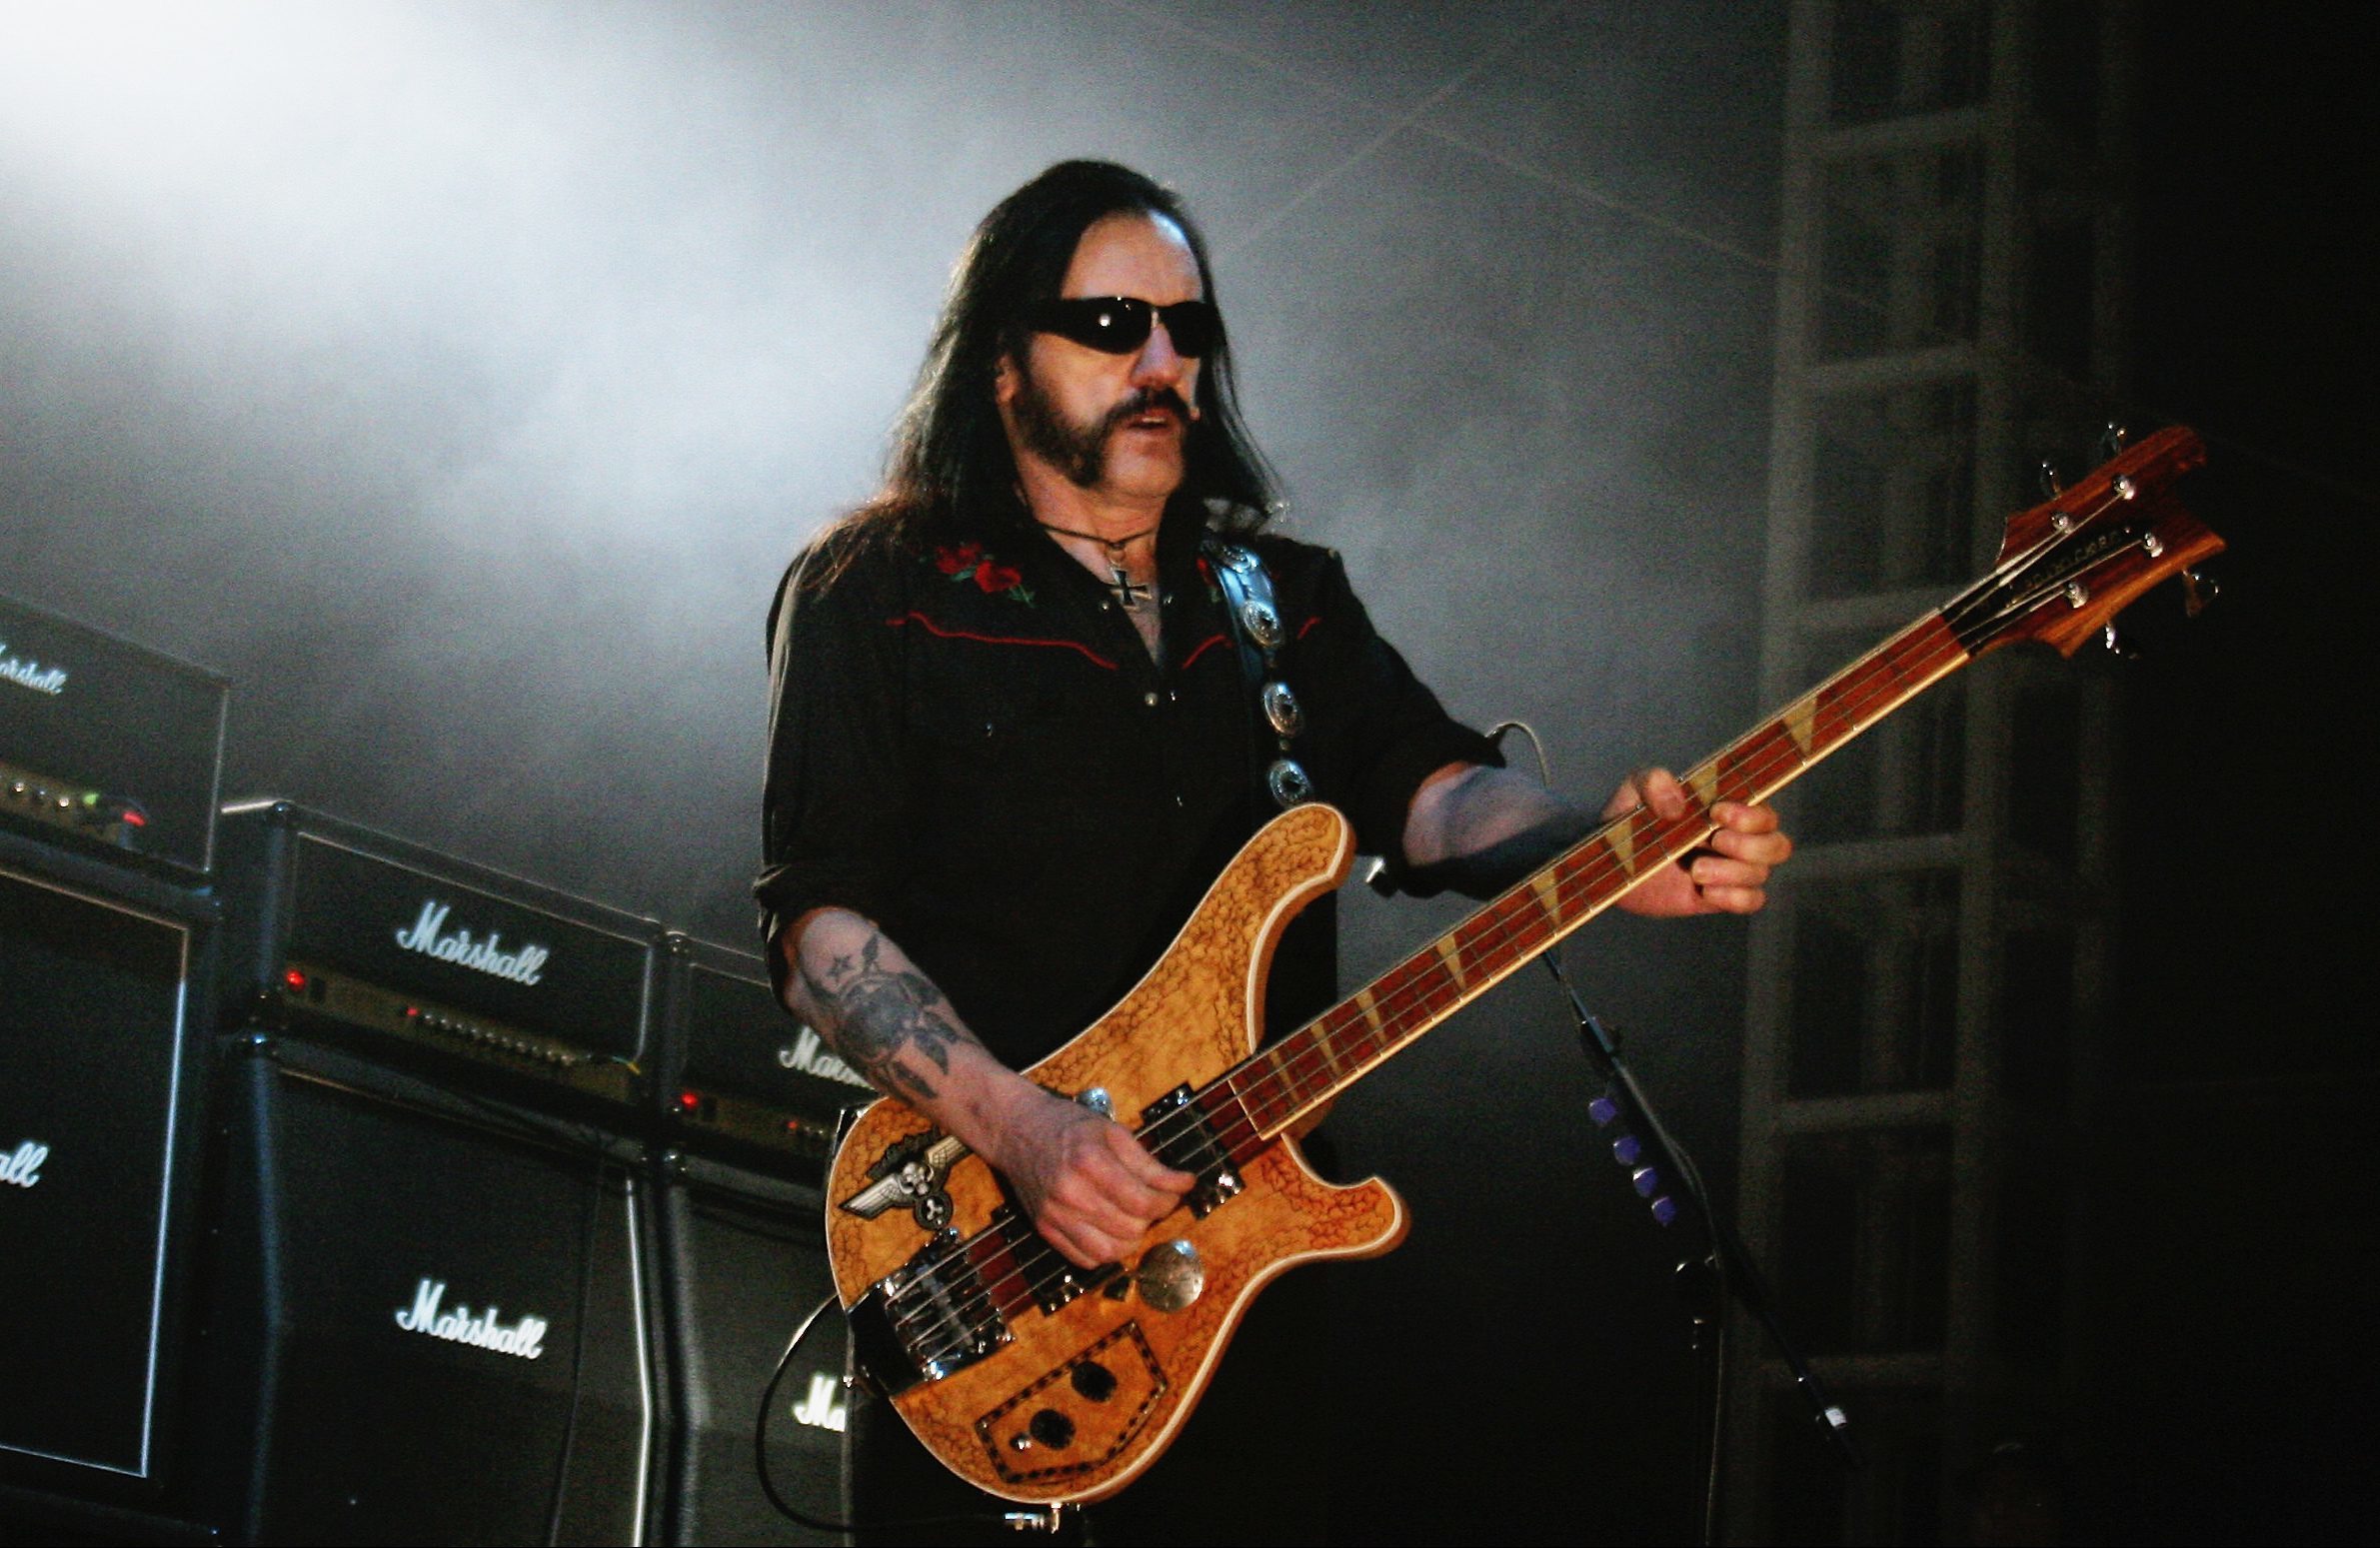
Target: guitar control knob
1094 1381
1627 1148
1052 1429
1646 1179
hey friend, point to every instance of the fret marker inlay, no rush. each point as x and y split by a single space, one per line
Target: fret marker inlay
1620 838
1454 958
1801 722
1548 894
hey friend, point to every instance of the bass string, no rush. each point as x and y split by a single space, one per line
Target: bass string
1426 982
1514 917
991 1293
1420 988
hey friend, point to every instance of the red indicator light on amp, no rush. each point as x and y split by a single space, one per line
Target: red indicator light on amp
295 979
690 1101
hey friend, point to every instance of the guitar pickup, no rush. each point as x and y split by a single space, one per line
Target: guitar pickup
1189 1143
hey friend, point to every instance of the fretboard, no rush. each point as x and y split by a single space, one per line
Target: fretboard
1284 1082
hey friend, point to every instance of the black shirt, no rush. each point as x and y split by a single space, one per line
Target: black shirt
969 745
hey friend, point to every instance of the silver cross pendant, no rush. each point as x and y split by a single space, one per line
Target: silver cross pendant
1128 595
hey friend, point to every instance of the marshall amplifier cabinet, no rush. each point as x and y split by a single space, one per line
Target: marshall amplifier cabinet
740 1077
107 745
104 1026
744 1259
404 954
430 1318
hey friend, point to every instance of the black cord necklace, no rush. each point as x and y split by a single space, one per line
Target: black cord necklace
1113 546
1129 593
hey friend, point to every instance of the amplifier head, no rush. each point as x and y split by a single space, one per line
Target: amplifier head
107 745
403 954
736 1074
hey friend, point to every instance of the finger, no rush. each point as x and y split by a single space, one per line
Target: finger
1770 850
1097 1204
1127 1148
1081 1249
1663 793
1129 1205
1733 900
1711 871
1739 818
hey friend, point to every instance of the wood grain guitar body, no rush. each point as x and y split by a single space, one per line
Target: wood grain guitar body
1083 1378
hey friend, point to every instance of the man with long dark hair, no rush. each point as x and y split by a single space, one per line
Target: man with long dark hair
1013 741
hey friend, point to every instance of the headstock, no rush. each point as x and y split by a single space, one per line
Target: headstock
2072 562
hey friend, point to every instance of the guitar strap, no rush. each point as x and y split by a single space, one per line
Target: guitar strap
1255 625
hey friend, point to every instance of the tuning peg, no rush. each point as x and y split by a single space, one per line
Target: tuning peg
2197 590
2051 485
2115 645
2111 440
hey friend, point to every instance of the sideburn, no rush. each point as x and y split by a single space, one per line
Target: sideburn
1079 452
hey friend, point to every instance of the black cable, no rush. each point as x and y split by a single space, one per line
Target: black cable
1046 1519
578 1349
1713 1259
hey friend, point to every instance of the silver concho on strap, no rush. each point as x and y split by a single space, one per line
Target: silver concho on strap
1282 708
1290 783
1248 591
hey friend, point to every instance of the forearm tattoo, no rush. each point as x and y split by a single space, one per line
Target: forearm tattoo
877 1013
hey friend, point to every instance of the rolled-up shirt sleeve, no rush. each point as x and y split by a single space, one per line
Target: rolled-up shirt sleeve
834 798
1397 734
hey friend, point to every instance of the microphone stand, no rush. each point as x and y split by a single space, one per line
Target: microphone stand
1705 1279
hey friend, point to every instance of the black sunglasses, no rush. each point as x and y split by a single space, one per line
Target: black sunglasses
1119 325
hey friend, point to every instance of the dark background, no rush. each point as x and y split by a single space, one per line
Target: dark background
458 377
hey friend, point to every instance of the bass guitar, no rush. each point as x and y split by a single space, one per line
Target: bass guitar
1044 1383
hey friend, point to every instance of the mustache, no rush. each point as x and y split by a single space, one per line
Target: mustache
1142 402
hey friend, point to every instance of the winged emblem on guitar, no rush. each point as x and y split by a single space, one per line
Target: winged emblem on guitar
1044 1383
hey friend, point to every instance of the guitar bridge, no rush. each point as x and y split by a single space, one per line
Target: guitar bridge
1189 1143
926 1319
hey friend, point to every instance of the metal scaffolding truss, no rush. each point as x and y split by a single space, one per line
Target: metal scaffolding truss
1951 309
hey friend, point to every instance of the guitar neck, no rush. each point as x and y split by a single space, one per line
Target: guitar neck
1283 1084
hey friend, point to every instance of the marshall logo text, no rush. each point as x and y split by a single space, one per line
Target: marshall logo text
25 672
486 954
524 1338
809 1055
22 1165
819 1408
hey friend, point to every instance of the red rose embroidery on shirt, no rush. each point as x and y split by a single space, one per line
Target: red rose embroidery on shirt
969 561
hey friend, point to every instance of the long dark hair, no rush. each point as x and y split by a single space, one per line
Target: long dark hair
949 471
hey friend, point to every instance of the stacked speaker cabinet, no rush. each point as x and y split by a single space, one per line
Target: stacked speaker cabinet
102 1070
431 1321
749 1100
432 1314
109 760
